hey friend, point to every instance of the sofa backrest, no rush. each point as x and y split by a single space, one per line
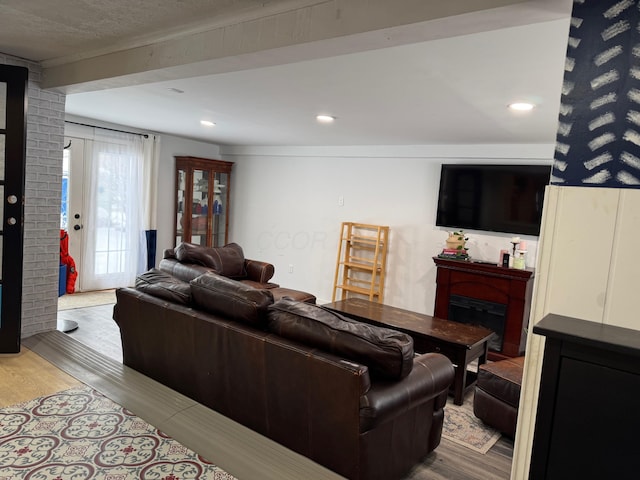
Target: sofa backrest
231 299
387 353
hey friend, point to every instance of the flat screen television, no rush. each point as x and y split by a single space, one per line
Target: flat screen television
495 198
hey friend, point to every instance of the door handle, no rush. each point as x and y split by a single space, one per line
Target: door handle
77 227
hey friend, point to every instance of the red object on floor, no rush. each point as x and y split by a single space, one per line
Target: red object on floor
66 259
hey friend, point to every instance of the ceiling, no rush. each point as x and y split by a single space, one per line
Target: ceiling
388 80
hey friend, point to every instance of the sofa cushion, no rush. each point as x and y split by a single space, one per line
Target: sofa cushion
231 299
227 261
387 353
162 285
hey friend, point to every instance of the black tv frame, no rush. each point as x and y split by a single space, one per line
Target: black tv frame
505 198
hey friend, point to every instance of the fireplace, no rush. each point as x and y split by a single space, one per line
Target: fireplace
496 297
480 312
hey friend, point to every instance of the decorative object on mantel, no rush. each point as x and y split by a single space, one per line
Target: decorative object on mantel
518 258
520 262
504 258
456 249
515 241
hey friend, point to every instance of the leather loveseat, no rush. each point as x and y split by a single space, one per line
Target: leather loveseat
347 395
188 261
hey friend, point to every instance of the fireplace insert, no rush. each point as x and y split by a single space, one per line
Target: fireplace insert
480 312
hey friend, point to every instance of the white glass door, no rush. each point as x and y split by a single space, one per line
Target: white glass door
102 212
111 213
71 212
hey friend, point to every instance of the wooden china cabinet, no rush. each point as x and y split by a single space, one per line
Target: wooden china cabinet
202 201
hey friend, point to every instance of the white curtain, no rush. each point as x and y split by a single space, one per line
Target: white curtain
114 209
150 162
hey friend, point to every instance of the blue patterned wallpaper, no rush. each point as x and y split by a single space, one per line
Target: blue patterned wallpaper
598 141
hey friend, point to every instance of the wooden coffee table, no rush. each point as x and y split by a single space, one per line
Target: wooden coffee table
460 342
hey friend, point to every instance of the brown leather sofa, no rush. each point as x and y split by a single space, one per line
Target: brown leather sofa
188 261
347 395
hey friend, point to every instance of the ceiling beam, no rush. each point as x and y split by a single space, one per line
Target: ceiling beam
322 29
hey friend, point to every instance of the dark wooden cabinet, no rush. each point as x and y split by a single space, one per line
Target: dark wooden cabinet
502 292
587 422
202 201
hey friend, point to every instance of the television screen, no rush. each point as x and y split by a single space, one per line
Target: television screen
496 198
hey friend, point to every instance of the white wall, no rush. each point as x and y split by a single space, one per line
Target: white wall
284 207
285 210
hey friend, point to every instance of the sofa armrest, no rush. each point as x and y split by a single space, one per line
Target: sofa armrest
431 375
257 271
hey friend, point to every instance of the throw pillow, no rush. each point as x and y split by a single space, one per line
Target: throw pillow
162 285
231 299
388 353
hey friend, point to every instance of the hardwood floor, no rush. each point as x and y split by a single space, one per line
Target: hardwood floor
25 376
96 329
226 443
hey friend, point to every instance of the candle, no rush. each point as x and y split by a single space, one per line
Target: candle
523 246
515 240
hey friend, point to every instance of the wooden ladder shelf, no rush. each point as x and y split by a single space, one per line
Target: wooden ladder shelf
362 261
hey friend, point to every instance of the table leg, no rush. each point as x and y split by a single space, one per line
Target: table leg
483 358
460 379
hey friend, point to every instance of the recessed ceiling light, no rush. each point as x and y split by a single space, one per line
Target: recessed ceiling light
521 106
325 118
207 123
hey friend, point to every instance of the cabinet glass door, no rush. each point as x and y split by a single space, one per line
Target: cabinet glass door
13 83
200 207
180 210
219 217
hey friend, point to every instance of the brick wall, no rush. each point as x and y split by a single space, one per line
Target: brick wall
45 137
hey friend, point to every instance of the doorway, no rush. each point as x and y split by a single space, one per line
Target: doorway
100 211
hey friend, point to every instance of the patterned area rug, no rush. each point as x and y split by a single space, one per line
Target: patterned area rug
463 427
79 434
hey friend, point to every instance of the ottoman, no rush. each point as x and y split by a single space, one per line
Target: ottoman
497 394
